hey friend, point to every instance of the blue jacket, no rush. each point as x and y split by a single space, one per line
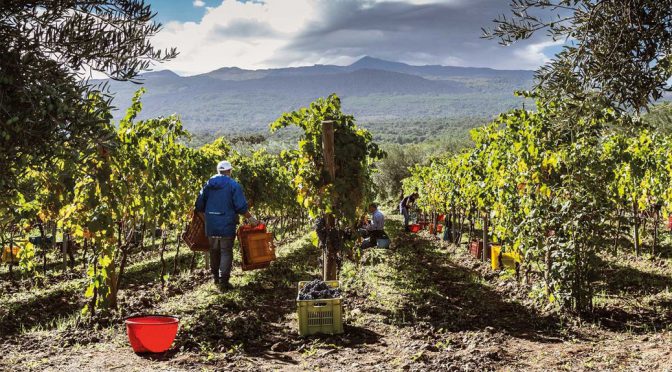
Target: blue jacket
222 200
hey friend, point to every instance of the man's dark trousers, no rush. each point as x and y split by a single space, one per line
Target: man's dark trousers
221 258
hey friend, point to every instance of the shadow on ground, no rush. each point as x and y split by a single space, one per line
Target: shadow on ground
46 307
43 309
632 299
446 291
252 319
441 291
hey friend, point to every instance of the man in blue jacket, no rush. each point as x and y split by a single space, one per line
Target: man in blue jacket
222 200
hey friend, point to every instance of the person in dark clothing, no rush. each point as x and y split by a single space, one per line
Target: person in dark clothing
405 208
222 200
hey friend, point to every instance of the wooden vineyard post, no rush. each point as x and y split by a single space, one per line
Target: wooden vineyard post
43 247
64 249
655 233
177 250
53 236
11 256
330 259
485 235
153 232
635 238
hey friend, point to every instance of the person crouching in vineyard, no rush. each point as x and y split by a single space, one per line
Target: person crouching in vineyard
222 200
374 229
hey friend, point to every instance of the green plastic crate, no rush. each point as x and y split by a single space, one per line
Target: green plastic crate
320 316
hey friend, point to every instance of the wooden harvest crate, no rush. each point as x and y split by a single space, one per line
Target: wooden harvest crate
194 235
256 247
476 249
10 255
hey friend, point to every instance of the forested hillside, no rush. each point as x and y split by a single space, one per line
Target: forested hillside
373 90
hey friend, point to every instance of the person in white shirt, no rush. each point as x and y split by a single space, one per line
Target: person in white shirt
375 229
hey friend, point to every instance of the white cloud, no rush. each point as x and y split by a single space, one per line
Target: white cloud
533 54
199 3
279 33
208 44
421 2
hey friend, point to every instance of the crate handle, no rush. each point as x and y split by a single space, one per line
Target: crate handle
320 304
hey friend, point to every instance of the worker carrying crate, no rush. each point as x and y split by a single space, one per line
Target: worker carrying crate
221 201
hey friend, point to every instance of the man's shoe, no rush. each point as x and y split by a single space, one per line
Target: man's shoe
225 286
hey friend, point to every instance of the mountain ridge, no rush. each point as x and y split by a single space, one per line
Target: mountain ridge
232 99
366 62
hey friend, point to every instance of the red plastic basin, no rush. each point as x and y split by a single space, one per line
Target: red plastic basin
151 333
414 228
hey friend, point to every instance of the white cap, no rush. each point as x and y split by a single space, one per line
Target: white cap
224 166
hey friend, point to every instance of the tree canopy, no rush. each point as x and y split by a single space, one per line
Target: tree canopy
47 105
617 53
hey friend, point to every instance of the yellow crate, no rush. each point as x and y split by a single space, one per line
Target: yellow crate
508 259
320 316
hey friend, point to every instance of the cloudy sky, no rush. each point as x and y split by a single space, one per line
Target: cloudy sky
210 34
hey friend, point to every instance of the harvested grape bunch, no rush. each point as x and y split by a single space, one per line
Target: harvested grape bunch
318 290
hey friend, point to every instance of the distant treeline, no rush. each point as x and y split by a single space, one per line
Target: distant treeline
451 133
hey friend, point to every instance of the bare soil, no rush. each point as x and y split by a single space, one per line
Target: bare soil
421 306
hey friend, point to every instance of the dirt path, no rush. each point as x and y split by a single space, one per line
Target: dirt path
420 306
